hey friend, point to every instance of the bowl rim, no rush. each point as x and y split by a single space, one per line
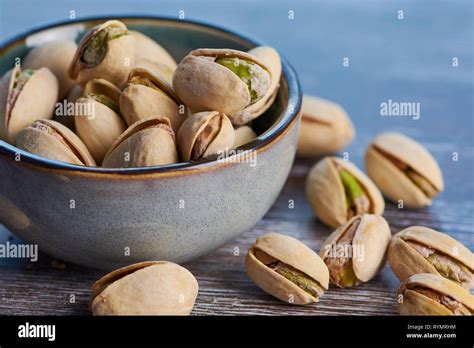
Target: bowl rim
290 113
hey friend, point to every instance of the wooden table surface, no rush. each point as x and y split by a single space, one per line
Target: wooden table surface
407 60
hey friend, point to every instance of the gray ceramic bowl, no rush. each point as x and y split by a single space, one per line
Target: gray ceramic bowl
106 218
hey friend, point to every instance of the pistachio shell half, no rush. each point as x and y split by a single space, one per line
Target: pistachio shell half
204 134
270 57
146 288
355 252
418 249
403 169
431 294
148 94
52 140
224 80
56 56
25 96
106 51
147 48
243 135
98 122
337 190
145 143
325 128
284 267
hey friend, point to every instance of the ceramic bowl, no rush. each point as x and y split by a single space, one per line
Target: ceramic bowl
107 218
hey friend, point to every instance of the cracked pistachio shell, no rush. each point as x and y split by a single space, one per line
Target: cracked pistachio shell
35 101
146 288
147 48
139 101
202 84
406 261
413 302
98 124
113 59
243 135
325 191
369 246
204 134
52 140
325 128
293 253
380 158
55 56
145 143
271 58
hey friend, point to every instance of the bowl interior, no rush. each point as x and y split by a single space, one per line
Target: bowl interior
178 37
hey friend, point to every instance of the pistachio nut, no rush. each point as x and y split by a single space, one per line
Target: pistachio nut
106 51
147 48
52 140
325 128
243 135
284 267
164 70
56 56
145 288
270 57
147 94
420 249
25 96
355 252
431 294
224 80
403 169
145 143
337 190
98 122
204 134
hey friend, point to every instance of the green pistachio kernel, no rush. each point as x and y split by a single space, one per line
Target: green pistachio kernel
300 279
96 47
253 75
449 268
351 187
105 100
347 276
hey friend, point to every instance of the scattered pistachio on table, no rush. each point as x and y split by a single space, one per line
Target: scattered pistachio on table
337 190
145 288
431 294
285 268
418 249
403 170
325 128
355 252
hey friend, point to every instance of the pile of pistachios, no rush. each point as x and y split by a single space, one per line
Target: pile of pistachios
118 99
